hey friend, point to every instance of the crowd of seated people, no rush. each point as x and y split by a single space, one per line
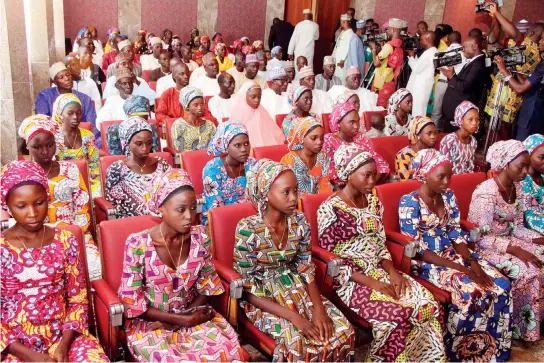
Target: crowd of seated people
271 136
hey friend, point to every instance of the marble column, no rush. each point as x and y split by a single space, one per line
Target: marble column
58 22
274 9
16 101
207 16
364 9
434 12
129 17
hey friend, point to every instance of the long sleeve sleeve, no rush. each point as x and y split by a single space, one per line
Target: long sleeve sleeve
105 113
161 111
409 218
42 105
131 290
293 41
212 181
465 81
453 228
208 282
305 266
245 257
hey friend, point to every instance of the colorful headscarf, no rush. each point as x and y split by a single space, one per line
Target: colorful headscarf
338 113
187 95
258 43
203 38
246 49
260 178
136 106
295 94
426 161
395 100
130 127
345 96
461 111
275 51
297 133
219 46
63 101
503 152
91 28
533 143
418 123
21 172
81 33
33 125
162 185
113 30
348 158
226 131
236 44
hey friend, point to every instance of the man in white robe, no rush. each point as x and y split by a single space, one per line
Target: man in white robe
113 108
421 80
220 106
321 101
303 39
367 98
341 49
274 99
150 62
239 68
208 82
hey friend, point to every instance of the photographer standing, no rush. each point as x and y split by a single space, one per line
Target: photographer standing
468 85
422 78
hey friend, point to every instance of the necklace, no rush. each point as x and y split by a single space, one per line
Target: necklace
75 140
280 246
351 201
168 249
432 199
305 161
232 171
141 167
26 249
504 189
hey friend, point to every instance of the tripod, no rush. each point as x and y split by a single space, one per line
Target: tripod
496 117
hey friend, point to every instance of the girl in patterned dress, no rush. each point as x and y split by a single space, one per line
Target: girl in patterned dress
306 158
513 249
422 136
399 113
300 99
127 180
405 318
478 317
224 177
192 131
167 280
272 254
344 124
533 185
43 291
74 142
460 146
68 195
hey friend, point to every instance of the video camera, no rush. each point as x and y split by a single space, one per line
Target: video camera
410 43
448 59
376 36
481 7
513 56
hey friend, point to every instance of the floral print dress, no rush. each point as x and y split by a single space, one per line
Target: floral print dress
147 282
312 181
403 161
44 294
461 155
220 189
186 137
477 321
533 204
393 128
408 329
88 151
505 222
282 276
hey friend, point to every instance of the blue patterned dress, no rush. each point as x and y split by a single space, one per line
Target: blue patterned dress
477 321
533 204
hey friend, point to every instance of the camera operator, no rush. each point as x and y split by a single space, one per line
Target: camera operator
421 80
531 112
501 28
468 84
388 62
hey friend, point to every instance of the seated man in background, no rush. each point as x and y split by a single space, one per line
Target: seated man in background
83 84
207 83
321 102
301 63
252 67
126 47
168 81
239 67
113 108
151 61
186 57
274 99
169 106
164 69
220 105
367 99
326 80
89 69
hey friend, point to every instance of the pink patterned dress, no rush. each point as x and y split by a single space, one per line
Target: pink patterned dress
461 155
148 282
505 222
333 142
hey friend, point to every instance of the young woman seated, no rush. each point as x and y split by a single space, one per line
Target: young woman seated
399 113
300 99
533 184
422 135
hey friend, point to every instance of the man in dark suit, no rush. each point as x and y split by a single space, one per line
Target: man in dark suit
468 85
280 34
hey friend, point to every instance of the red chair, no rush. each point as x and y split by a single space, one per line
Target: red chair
104 125
463 186
325 120
279 119
274 152
388 147
86 126
104 210
146 75
439 138
389 195
169 142
194 162
367 115
153 85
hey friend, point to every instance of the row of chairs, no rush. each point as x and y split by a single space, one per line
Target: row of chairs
223 222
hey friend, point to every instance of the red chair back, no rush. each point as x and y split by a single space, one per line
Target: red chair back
439 138
463 185
169 122
153 85
389 195
113 235
86 126
325 120
279 119
273 152
223 222
194 162
146 75
367 115
388 147
309 204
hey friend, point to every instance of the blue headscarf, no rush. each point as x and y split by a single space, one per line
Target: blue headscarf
226 131
533 143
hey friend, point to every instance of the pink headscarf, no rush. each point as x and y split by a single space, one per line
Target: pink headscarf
262 129
338 113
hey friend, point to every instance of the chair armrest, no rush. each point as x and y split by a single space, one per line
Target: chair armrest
236 285
467 226
105 207
333 262
103 153
480 165
409 243
104 292
109 317
397 252
175 154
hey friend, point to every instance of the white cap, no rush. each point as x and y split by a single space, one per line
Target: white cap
251 58
345 17
306 71
123 44
306 11
155 40
328 60
395 23
276 73
55 69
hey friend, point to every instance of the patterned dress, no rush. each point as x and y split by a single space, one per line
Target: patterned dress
312 181
505 222
125 188
403 159
533 204
292 118
186 137
393 128
333 142
41 299
147 282
282 276
88 151
408 329
477 321
69 204
220 189
461 155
